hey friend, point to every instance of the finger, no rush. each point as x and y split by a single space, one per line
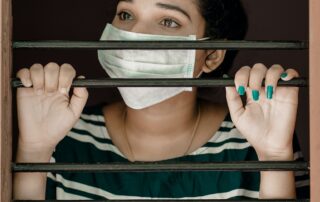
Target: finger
234 103
241 79
67 74
257 75
51 72
289 74
24 76
37 78
272 78
78 99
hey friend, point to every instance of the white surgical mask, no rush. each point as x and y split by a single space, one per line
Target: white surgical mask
146 64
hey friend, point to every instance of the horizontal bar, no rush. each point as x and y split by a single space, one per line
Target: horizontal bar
212 44
200 200
212 82
249 166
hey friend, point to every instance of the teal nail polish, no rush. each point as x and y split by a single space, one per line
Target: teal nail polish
284 75
269 92
255 95
241 90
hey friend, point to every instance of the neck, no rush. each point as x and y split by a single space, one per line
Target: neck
167 119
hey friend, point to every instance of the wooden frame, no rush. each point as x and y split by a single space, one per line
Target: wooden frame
6 100
314 98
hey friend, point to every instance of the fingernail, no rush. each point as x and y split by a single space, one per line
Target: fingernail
241 90
255 95
269 92
28 83
284 75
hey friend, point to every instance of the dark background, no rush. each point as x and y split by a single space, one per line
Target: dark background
85 20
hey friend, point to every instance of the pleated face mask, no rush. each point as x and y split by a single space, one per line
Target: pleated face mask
146 64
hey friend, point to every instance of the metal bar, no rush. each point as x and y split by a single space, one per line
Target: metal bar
206 200
212 44
212 82
250 166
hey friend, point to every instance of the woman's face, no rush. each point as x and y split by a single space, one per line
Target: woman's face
162 17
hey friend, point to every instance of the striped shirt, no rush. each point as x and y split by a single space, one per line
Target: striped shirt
89 142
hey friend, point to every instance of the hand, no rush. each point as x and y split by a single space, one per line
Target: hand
268 119
45 112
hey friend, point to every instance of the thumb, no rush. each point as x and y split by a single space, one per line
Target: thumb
78 99
234 103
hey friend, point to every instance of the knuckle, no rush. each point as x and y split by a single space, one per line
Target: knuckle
22 72
243 72
256 79
245 69
68 69
52 64
85 92
276 68
36 67
259 67
258 64
51 67
67 72
294 72
66 65
50 88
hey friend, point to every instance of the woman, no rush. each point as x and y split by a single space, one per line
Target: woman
160 124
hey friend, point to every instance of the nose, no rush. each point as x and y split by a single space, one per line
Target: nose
141 27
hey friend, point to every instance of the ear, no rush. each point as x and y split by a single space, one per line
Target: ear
213 60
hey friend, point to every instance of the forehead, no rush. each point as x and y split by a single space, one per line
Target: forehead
191 4
189 8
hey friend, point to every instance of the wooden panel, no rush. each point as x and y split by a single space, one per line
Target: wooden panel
315 98
5 105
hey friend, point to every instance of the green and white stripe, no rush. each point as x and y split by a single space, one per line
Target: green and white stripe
89 142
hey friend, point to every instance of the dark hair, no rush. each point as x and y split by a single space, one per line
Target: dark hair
225 19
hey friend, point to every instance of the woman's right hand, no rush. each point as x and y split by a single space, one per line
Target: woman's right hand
45 112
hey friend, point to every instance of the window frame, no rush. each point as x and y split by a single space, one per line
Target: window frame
6 99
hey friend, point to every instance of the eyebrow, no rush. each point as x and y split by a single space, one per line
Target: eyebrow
171 7
129 1
165 6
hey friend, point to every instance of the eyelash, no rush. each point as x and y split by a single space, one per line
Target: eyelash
163 22
120 15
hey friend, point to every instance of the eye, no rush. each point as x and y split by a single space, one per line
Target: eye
170 23
124 16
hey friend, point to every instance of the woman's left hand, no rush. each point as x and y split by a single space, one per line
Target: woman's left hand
268 118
